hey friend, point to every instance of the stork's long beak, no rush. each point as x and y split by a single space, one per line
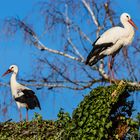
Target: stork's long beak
8 71
132 23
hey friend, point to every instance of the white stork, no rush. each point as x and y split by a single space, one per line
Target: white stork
23 96
112 40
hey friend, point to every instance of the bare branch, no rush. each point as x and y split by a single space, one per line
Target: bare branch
68 34
40 45
58 71
109 13
83 35
87 6
75 49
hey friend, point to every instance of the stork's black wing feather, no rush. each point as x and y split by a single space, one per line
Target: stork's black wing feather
28 98
95 52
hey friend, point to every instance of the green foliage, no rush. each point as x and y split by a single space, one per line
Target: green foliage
63 119
103 114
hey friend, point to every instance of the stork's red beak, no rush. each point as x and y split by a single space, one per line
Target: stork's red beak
8 71
132 23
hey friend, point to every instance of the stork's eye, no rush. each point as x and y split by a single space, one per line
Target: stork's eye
127 16
12 67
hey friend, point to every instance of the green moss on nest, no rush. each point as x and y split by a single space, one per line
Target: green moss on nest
36 129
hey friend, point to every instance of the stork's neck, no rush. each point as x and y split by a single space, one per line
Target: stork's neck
13 80
128 27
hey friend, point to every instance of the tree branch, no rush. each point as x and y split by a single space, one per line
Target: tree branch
40 45
68 34
87 6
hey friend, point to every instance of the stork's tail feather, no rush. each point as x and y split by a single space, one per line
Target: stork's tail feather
87 62
94 60
38 104
91 57
90 63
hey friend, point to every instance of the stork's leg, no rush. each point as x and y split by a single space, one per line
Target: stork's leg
110 66
20 115
26 114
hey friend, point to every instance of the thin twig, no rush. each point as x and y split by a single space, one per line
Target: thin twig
87 6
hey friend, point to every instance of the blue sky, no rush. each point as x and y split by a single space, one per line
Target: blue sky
15 51
16 7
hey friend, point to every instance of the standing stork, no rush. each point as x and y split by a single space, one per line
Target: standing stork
112 40
23 96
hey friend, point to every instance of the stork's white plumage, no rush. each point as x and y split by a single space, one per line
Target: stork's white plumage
112 40
23 96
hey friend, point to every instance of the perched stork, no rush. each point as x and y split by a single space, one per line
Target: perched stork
112 40
23 96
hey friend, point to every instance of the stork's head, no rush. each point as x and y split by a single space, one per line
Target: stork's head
126 18
12 68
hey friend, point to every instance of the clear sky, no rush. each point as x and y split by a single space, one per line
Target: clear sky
15 51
